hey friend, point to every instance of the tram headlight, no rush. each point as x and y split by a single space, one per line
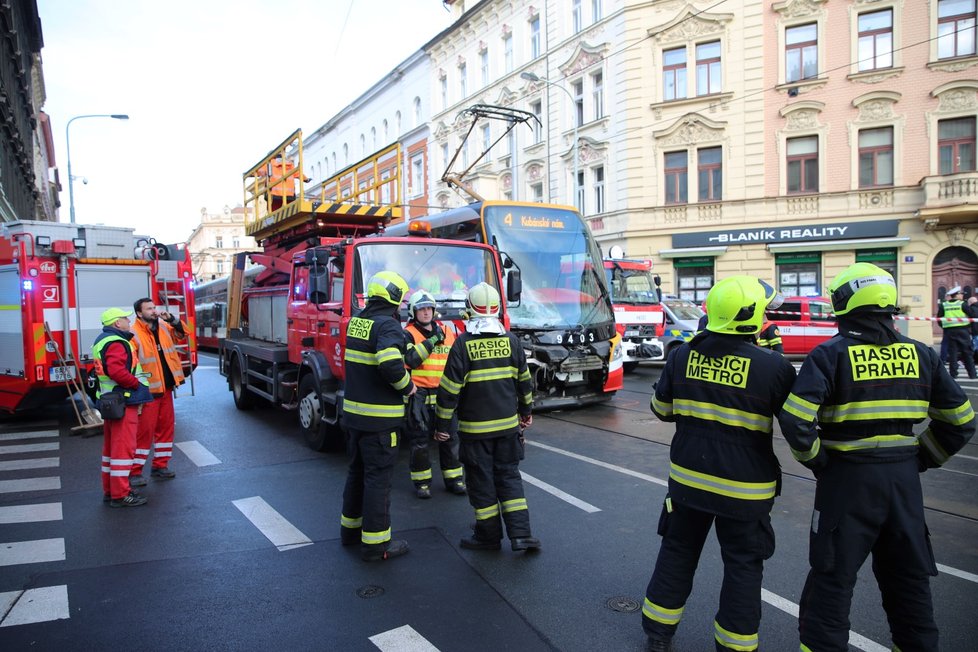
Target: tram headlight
617 353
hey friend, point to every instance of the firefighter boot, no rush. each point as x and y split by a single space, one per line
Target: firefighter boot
458 488
659 645
525 543
394 549
423 491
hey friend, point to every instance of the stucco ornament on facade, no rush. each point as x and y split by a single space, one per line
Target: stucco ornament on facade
583 57
534 172
958 99
955 235
798 8
875 110
589 152
690 130
691 25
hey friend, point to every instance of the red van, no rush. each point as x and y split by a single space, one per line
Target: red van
804 322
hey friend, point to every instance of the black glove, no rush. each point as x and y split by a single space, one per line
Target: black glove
439 335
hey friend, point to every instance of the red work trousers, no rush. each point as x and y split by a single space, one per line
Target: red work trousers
156 425
117 452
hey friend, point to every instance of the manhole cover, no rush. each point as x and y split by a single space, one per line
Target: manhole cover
622 604
370 591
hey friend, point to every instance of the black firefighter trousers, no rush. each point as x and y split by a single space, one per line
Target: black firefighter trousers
495 486
860 509
420 462
744 545
367 495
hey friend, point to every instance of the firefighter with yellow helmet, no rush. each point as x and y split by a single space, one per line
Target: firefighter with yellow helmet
427 366
487 383
722 392
850 419
373 415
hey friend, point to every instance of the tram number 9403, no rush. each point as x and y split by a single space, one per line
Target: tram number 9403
576 338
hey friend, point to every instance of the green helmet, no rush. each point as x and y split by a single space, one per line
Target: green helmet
483 301
388 286
419 299
863 285
736 304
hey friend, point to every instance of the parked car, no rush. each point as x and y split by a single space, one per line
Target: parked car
804 322
681 322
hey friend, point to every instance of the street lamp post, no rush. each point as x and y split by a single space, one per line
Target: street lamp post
71 179
533 77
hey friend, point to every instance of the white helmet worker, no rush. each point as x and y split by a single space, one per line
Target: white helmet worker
483 301
420 299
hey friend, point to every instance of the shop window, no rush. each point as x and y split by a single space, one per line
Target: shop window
799 275
883 258
694 278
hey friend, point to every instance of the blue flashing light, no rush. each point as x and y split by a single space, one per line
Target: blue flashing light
28 285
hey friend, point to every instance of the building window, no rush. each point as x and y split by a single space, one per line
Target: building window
535 37
802 164
462 82
956 145
417 176
577 89
363 145
676 177
486 140
955 28
576 15
236 242
710 178
801 52
444 96
876 157
694 278
536 191
674 74
876 40
599 189
536 108
596 10
465 153
444 156
884 258
417 118
219 242
579 189
219 266
508 52
484 64
798 276
597 94
708 77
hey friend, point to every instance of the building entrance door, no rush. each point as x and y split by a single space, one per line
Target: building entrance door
953 266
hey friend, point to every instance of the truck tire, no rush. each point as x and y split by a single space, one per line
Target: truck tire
318 433
243 399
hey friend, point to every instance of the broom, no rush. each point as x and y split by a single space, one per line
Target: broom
88 418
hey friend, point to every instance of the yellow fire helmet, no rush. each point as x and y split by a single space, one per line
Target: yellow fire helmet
388 286
863 285
736 305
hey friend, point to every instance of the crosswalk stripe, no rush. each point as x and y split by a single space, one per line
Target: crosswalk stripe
606 465
402 639
566 497
31 513
29 484
965 575
197 453
29 448
39 463
855 640
32 552
36 434
34 606
273 525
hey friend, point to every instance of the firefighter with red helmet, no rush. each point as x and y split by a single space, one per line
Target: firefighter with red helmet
487 383
427 367
722 392
850 419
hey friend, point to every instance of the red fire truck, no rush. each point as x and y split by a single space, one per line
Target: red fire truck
638 309
287 331
64 276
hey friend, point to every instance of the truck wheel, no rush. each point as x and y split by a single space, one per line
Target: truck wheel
243 399
629 367
311 413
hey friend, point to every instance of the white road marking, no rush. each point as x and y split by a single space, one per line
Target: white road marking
974 475
402 639
197 453
39 463
965 575
34 606
790 608
29 448
36 434
29 484
32 552
550 489
31 513
273 525
964 457
606 465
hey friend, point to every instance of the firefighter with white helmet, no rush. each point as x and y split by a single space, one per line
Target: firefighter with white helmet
722 392
850 418
487 383
427 366
373 415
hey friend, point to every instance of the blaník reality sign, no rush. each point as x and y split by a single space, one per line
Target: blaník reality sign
802 233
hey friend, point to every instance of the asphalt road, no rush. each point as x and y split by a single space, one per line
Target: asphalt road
241 550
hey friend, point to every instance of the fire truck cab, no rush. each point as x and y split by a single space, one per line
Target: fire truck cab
638 309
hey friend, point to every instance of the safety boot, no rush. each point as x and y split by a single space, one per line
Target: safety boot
394 549
137 480
659 645
458 488
164 473
525 543
423 491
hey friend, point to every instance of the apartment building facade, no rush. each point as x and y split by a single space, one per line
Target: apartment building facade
215 241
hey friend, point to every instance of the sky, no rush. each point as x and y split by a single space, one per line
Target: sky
210 87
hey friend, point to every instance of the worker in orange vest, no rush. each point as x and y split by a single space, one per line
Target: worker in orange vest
426 371
156 334
281 182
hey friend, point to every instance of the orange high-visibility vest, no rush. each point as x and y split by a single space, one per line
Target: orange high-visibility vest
150 361
428 375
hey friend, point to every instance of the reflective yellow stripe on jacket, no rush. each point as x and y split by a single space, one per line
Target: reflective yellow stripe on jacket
722 486
722 414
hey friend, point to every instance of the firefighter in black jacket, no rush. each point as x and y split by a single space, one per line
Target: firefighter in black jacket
850 419
488 382
373 415
723 392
